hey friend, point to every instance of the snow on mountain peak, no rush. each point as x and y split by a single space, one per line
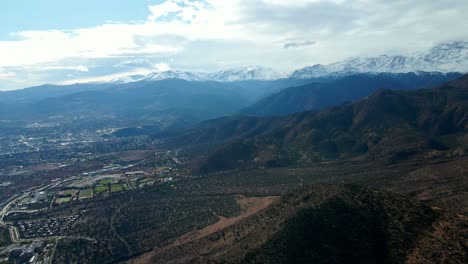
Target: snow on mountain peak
444 57
174 74
228 75
245 73
129 79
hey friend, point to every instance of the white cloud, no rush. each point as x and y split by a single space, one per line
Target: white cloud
108 40
163 9
79 68
7 75
103 78
82 68
162 66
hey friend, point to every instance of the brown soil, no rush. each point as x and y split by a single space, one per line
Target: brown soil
249 205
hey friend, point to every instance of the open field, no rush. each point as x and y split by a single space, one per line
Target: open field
86 193
69 192
145 180
101 188
63 200
115 188
105 181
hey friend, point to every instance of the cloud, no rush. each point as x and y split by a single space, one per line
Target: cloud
6 75
162 66
79 68
82 68
211 34
163 9
298 44
134 63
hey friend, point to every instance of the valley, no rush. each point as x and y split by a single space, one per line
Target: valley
246 185
233 132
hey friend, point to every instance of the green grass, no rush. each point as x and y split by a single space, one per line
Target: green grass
116 188
101 189
63 200
69 192
105 181
145 180
86 193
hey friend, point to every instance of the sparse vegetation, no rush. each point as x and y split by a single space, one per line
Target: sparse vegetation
189 205
4 237
330 223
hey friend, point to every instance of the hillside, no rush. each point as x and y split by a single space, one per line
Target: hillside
387 125
160 104
330 224
220 130
163 103
321 95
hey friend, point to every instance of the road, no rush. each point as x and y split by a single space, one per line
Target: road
14 233
50 259
5 208
21 211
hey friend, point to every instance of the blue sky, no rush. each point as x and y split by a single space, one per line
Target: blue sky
58 41
18 15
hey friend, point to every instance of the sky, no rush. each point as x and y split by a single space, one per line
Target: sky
56 41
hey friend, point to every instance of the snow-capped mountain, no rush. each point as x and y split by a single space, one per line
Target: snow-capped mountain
229 75
445 57
129 79
245 73
175 74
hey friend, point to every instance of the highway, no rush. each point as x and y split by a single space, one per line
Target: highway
7 206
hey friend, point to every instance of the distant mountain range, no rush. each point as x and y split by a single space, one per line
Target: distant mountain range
317 94
228 75
326 92
183 97
166 101
445 57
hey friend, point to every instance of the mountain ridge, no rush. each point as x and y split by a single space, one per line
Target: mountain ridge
387 125
320 95
444 57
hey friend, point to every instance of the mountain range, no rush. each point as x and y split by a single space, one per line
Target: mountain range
444 57
322 93
317 94
388 125
227 75
180 98
165 101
